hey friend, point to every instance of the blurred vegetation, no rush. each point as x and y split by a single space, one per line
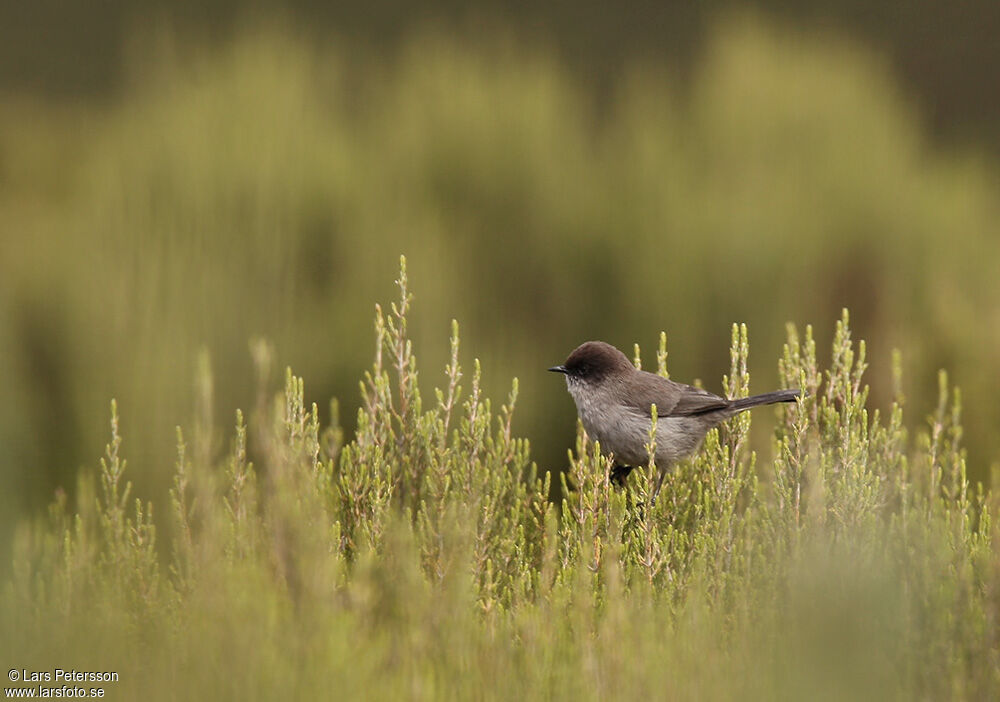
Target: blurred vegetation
422 559
264 187
945 53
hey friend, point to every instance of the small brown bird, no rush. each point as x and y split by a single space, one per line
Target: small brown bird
614 400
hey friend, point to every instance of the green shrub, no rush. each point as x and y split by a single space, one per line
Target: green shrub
423 559
252 187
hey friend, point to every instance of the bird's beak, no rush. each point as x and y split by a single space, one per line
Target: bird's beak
558 369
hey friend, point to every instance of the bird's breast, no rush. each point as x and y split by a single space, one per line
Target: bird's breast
618 429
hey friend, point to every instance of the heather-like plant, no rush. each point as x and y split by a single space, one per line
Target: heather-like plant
422 557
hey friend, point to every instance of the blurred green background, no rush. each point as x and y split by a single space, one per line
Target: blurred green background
186 177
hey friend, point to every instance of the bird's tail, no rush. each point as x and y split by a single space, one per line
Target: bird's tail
767 398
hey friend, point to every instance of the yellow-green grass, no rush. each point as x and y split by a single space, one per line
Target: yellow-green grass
421 558
263 188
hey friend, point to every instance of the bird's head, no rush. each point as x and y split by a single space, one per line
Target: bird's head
593 361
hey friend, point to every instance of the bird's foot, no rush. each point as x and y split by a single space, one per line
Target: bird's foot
619 474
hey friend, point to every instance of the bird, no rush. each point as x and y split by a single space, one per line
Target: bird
614 401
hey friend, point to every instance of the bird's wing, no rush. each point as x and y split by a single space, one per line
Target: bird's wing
694 401
671 399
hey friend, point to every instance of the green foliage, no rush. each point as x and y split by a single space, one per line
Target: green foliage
253 187
423 559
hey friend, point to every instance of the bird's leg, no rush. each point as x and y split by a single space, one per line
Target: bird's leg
618 475
659 483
